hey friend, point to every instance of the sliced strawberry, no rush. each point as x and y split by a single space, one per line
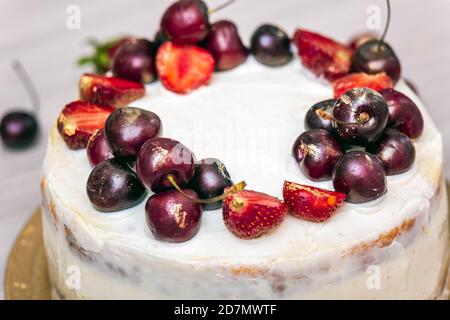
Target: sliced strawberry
79 120
110 91
249 214
183 68
310 203
361 80
321 55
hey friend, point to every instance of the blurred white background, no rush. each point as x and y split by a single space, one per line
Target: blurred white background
35 32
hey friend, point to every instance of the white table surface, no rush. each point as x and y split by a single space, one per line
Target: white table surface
35 32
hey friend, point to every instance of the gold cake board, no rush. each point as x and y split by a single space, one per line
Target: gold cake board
26 271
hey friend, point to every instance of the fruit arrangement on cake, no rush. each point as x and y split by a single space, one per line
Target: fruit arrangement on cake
192 166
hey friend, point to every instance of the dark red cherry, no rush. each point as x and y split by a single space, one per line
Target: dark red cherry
317 152
373 57
172 217
271 46
160 157
186 22
135 60
98 149
395 150
361 176
18 129
210 180
127 129
225 45
404 115
315 121
360 116
113 186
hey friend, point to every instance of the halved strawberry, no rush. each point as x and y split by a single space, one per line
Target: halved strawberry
110 91
310 203
183 68
249 214
361 80
321 55
79 120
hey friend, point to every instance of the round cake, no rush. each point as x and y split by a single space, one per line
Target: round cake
391 247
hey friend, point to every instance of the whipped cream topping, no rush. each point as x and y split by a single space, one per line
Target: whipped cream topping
249 118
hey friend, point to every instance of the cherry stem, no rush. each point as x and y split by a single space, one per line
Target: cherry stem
229 191
363 117
221 6
388 20
28 84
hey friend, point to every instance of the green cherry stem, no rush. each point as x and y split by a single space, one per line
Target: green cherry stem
363 117
229 191
221 6
388 21
28 84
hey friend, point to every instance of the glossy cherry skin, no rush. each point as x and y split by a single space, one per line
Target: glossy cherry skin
371 58
361 115
98 149
404 115
271 46
19 129
395 150
361 176
172 217
224 43
127 129
135 61
113 186
317 151
186 22
160 157
314 121
210 180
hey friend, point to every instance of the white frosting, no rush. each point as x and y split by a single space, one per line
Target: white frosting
248 118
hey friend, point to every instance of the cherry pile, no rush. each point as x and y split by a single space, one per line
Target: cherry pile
356 138
381 123
162 165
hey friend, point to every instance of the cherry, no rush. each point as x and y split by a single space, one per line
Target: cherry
113 186
19 129
361 176
404 115
210 180
314 121
127 129
172 217
317 152
373 57
395 150
360 116
161 157
225 45
135 60
98 149
271 46
186 22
